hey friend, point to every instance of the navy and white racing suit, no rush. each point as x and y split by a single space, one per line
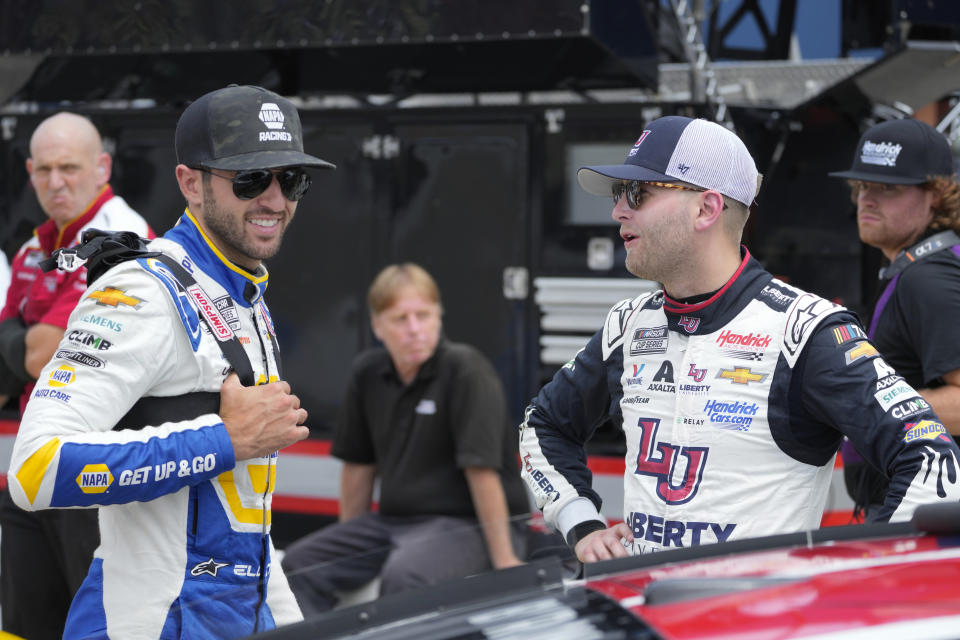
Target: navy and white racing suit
185 528
733 410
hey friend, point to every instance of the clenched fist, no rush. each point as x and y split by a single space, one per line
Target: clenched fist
261 419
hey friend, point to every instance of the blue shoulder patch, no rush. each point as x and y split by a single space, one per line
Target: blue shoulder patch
188 314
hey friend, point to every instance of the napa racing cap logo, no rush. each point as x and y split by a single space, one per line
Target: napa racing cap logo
62 376
272 117
95 478
924 430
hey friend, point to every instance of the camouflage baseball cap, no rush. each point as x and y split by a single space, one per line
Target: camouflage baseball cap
242 127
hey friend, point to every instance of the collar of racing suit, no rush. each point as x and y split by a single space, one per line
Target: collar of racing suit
716 311
244 287
51 238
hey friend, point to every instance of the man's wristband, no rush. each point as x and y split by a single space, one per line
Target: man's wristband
582 530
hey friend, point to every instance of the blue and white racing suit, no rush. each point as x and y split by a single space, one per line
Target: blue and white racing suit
733 410
185 528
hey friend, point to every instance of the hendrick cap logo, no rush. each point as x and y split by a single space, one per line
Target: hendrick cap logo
272 117
883 154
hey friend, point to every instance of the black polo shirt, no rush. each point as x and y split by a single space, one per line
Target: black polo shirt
917 331
421 436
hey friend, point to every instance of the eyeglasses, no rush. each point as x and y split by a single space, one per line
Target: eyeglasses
632 190
247 185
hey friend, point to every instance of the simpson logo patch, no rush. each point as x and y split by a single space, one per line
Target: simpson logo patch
95 478
220 327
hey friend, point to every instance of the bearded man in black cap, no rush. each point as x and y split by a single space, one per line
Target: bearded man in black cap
171 422
908 205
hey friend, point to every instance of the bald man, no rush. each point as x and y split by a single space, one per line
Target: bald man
44 556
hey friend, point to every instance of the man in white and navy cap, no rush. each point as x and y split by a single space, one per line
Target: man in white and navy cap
733 389
903 183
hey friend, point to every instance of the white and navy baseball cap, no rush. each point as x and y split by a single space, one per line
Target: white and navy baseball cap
900 152
680 149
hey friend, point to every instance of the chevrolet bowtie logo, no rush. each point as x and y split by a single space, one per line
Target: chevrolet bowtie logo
860 350
741 375
110 297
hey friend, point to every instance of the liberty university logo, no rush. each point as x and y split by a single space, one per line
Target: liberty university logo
660 460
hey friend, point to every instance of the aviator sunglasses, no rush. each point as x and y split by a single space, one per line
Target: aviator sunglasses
632 190
294 182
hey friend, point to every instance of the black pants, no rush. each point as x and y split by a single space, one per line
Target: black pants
405 552
44 556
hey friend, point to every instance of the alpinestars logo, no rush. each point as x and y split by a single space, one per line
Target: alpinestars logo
272 117
209 568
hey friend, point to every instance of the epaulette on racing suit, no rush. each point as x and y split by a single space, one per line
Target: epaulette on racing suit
185 528
733 411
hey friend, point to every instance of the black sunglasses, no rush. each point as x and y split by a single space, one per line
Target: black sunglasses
294 182
632 190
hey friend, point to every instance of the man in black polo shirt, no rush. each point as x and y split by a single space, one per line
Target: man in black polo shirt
908 206
429 418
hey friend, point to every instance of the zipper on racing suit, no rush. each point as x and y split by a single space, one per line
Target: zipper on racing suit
261 579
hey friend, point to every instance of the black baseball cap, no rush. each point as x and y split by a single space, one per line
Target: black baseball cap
242 127
900 152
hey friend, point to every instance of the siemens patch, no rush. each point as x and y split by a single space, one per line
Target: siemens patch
895 394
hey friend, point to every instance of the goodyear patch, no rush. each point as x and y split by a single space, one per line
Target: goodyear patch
95 478
62 376
923 430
